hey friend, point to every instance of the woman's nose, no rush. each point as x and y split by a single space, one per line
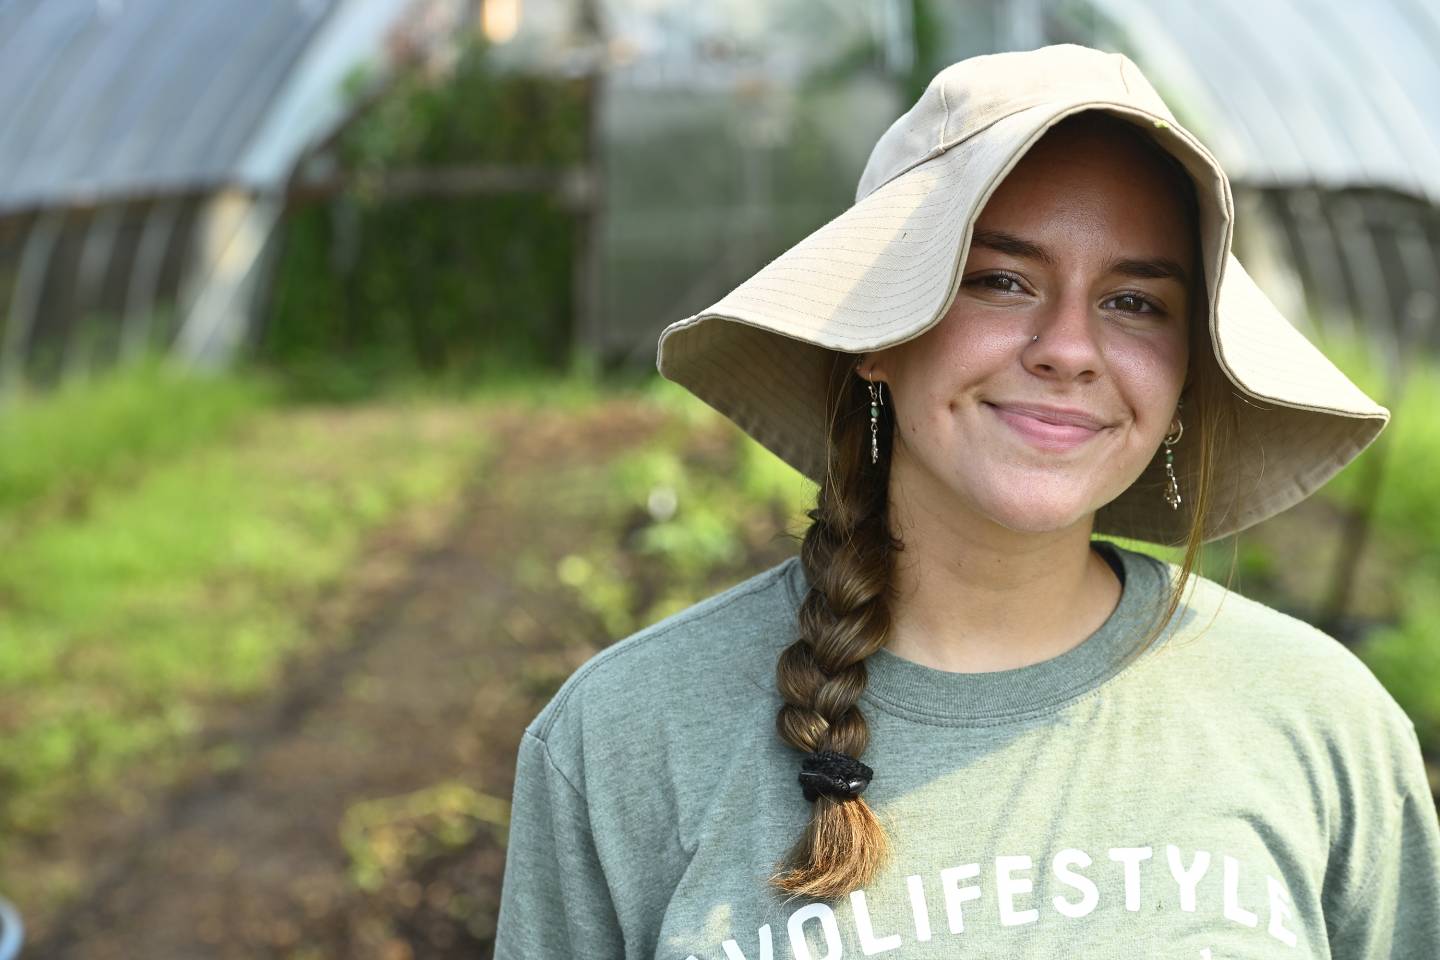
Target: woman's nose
1065 343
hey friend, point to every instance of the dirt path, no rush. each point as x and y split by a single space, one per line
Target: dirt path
442 657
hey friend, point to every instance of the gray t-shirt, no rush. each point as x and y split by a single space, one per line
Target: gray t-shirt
1243 788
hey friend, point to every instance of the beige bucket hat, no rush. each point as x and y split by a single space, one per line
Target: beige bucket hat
887 269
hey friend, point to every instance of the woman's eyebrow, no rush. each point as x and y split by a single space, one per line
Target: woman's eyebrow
1002 242
1149 268
1157 268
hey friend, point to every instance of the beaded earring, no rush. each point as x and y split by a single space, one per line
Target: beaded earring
1172 487
877 400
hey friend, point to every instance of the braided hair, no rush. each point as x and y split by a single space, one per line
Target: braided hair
843 619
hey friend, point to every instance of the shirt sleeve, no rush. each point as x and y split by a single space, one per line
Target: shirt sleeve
1395 911
554 901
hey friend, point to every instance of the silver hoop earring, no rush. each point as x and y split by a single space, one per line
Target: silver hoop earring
877 400
1172 487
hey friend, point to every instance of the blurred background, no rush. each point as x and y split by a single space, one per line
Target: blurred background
330 442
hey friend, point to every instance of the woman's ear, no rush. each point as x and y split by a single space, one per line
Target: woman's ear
874 366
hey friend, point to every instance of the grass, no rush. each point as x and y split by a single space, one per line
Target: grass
188 572
89 432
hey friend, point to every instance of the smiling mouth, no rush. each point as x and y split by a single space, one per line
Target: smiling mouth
1049 428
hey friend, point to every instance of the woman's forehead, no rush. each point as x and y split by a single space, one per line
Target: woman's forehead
1088 188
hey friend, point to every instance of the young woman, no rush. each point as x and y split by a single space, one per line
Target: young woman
956 725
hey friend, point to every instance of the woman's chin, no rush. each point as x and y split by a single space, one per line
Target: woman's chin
1021 500
1037 514
1039 522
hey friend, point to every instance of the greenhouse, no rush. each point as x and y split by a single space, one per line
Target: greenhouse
153 151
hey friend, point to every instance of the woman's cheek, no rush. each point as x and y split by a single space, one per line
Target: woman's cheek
1150 370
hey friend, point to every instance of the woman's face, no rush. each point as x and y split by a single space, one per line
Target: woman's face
1085 244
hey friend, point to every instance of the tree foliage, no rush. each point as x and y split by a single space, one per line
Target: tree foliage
373 284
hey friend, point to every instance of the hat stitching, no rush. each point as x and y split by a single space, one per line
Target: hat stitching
943 148
885 306
1060 113
831 317
830 320
945 121
1120 69
797 274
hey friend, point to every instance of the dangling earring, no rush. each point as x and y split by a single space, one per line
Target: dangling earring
1172 487
877 400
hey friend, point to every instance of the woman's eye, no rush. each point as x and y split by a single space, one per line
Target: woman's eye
999 281
1133 303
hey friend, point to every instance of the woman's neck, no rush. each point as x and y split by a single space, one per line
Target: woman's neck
975 597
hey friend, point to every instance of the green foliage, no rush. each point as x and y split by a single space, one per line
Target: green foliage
765 477
455 287
473 114
1406 657
370 289
64 441
929 33
1409 447
699 499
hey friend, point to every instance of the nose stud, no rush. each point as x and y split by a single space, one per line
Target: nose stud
1035 338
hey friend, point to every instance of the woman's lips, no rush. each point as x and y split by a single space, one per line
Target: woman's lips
1050 428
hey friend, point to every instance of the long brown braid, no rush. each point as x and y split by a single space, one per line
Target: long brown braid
843 619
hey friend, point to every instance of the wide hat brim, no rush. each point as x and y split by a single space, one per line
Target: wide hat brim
887 269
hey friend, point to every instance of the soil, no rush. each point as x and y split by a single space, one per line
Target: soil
426 666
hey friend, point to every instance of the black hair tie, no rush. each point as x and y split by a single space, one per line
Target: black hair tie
834 775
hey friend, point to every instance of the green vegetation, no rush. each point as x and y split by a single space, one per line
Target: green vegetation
1405 654
1406 659
374 286
86 432
1410 447
189 570
698 509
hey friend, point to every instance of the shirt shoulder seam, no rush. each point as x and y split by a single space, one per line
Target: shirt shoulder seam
550 761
